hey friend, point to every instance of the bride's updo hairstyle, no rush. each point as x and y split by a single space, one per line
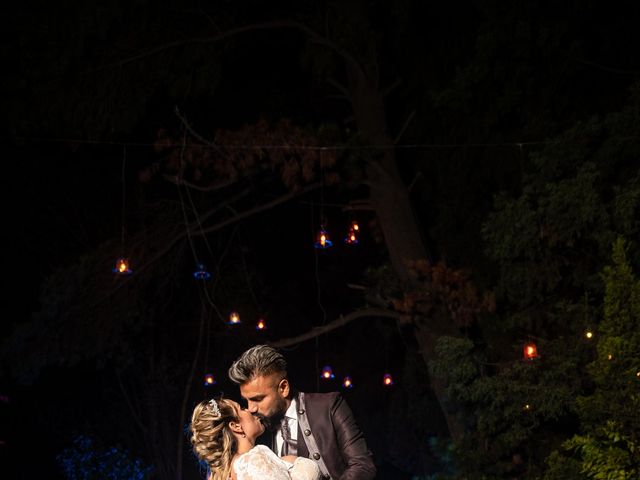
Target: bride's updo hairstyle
212 439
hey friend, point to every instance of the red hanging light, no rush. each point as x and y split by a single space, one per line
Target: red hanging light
530 351
352 237
122 267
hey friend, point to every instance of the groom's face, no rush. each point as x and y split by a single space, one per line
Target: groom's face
266 396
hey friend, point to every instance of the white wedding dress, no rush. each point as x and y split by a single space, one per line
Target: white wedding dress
260 463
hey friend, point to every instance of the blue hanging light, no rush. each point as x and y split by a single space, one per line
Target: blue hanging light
201 272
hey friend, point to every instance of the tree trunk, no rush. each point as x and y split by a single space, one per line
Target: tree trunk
392 205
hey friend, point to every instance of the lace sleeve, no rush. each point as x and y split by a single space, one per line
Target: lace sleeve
304 469
260 463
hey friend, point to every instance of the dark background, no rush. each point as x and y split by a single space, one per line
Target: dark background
480 88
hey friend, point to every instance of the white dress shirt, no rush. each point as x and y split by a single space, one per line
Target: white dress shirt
292 421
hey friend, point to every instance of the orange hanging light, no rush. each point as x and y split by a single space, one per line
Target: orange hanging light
347 382
322 239
530 351
209 380
122 267
387 380
327 373
261 325
234 318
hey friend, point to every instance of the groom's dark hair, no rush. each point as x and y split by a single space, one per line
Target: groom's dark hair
257 361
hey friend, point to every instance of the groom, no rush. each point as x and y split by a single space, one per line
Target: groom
319 426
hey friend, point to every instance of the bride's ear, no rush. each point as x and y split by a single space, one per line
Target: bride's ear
235 427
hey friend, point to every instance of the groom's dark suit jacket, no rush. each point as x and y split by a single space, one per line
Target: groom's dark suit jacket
340 442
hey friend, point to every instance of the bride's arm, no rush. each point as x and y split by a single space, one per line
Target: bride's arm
260 463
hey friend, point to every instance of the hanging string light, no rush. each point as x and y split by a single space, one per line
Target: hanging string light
122 264
234 318
588 334
322 239
327 373
347 382
387 380
261 325
201 272
209 380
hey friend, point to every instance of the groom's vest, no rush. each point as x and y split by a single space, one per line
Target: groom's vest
329 435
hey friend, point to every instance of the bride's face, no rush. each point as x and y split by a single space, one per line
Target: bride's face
251 425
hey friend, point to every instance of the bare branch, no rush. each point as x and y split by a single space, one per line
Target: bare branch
292 24
341 88
197 135
413 182
169 245
209 188
396 83
260 208
337 323
404 127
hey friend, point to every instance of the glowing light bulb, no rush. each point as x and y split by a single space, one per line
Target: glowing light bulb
234 318
347 382
209 380
122 267
322 240
589 334
261 325
530 351
327 373
387 380
526 407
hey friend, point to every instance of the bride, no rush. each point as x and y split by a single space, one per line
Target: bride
223 435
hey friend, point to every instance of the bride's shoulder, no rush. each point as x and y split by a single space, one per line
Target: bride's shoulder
262 450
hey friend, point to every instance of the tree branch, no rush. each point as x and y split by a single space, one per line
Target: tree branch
164 250
312 34
337 323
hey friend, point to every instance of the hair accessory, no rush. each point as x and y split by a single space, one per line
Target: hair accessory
214 407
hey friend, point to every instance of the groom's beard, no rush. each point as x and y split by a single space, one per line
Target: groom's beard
272 421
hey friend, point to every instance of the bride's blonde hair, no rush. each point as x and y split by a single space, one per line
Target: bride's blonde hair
211 437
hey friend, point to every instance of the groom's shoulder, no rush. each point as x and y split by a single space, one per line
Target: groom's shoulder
324 399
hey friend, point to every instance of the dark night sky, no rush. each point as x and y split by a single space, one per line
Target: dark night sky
63 190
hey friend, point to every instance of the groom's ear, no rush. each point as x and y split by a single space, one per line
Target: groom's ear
284 388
